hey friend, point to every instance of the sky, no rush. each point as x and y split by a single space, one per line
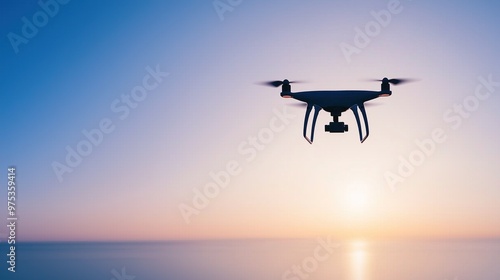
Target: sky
185 144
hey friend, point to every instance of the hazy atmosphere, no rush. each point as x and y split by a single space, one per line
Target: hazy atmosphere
145 120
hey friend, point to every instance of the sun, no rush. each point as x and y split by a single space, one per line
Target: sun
357 198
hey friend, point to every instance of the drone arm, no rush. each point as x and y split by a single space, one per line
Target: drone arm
365 119
306 120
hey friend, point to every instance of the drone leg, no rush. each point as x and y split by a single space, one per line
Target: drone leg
354 109
306 120
308 111
316 112
365 119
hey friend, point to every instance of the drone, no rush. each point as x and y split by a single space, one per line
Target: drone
336 102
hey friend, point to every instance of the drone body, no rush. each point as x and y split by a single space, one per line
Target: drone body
336 102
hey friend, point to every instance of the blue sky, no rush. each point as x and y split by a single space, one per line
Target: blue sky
89 54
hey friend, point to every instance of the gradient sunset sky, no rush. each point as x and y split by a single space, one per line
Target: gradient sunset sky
202 116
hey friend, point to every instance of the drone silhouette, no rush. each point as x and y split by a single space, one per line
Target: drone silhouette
336 102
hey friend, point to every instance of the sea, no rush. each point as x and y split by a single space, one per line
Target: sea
257 259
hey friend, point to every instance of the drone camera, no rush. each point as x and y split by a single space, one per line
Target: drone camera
336 127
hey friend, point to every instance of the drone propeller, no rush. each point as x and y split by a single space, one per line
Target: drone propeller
278 83
395 81
298 105
304 105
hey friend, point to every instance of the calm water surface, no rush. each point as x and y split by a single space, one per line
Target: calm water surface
258 260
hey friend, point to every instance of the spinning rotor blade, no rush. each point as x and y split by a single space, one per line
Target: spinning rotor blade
304 105
372 104
395 81
400 81
272 83
298 105
277 83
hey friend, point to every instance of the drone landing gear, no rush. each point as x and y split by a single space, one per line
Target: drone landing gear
308 112
354 109
336 126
